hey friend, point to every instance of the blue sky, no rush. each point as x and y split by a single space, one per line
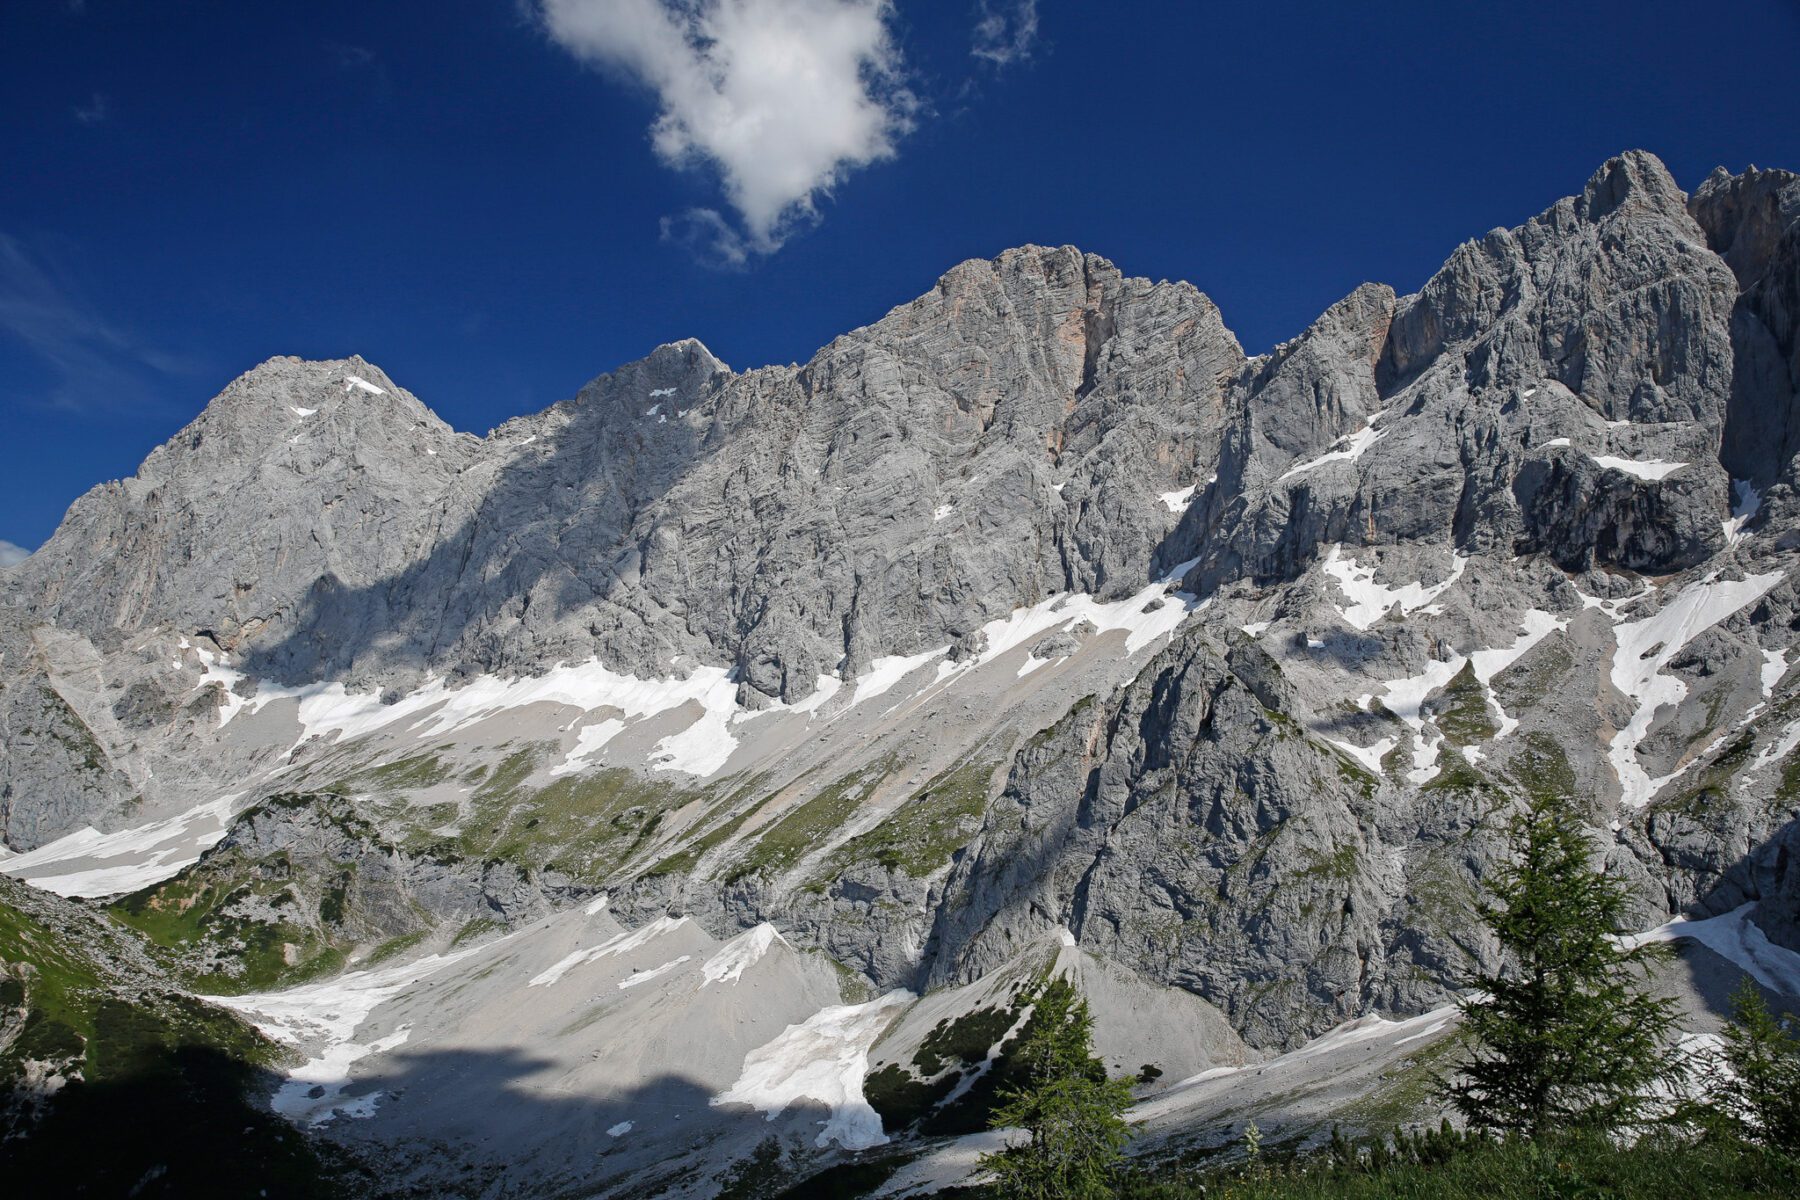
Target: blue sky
496 200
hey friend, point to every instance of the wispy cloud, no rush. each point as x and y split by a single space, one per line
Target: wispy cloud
1005 30
96 365
350 58
11 555
96 110
784 98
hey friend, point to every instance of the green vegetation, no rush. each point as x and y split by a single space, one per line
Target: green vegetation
928 828
159 1079
1455 773
1340 865
784 843
202 909
421 770
1713 781
1756 1086
1463 714
1447 1167
1565 1035
585 826
1542 770
1074 1115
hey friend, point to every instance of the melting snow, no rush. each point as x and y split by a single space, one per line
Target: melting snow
324 1017
619 1130
1369 756
1734 936
1370 601
1405 698
1745 504
1654 468
356 381
652 973
623 943
1646 646
739 954
889 670
150 853
1176 501
1774 667
1347 448
823 1060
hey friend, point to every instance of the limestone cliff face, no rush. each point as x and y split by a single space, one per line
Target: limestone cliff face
1529 531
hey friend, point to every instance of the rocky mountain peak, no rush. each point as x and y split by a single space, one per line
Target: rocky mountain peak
1635 179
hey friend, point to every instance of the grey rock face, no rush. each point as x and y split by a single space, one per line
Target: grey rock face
892 494
1194 832
1556 440
1600 329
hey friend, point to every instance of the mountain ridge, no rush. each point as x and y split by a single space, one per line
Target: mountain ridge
1031 627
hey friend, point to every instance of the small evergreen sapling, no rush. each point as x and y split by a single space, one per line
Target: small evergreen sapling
1564 1036
1758 1091
1072 1111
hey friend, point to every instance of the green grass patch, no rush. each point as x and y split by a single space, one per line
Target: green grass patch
1654 1168
784 843
1462 713
928 828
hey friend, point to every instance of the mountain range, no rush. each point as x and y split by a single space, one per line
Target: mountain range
681 790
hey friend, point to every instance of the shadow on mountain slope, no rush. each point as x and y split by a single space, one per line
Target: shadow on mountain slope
463 1123
584 490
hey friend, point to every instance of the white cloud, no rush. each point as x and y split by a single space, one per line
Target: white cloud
95 364
783 97
96 110
1005 32
11 555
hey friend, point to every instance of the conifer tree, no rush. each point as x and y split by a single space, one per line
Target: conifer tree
1072 1111
1758 1092
1564 1035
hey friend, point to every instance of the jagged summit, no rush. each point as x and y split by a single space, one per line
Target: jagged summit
1030 626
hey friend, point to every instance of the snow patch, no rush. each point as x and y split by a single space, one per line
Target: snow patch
942 511
619 1130
1369 756
1348 448
302 412
889 670
1405 698
323 1018
1652 469
1734 936
655 392
1176 501
623 943
361 384
1774 666
653 973
1746 503
1645 647
90 864
1778 749
1370 601
739 954
824 1060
